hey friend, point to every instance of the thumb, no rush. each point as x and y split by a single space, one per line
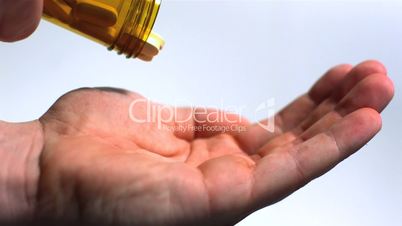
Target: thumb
19 18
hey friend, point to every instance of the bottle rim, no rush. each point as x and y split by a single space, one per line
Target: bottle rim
138 26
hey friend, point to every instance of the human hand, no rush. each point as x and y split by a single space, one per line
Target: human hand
98 166
19 18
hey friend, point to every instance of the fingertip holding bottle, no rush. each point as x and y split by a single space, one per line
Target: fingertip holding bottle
121 25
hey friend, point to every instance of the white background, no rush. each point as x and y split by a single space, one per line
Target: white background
239 53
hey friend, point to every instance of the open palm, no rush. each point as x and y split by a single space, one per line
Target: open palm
98 165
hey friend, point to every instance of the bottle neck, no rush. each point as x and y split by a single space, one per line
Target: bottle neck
137 27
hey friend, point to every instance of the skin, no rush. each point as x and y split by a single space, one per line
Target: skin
97 165
19 18
87 161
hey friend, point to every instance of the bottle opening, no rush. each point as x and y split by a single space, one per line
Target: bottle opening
137 29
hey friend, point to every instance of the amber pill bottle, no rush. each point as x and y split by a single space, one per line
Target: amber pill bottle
121 25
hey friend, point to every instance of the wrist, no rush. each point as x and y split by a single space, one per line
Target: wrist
20 148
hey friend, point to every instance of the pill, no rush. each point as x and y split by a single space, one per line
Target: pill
153 45
71 3
145 57
113 3
94 12
105 34
129 44
58 9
